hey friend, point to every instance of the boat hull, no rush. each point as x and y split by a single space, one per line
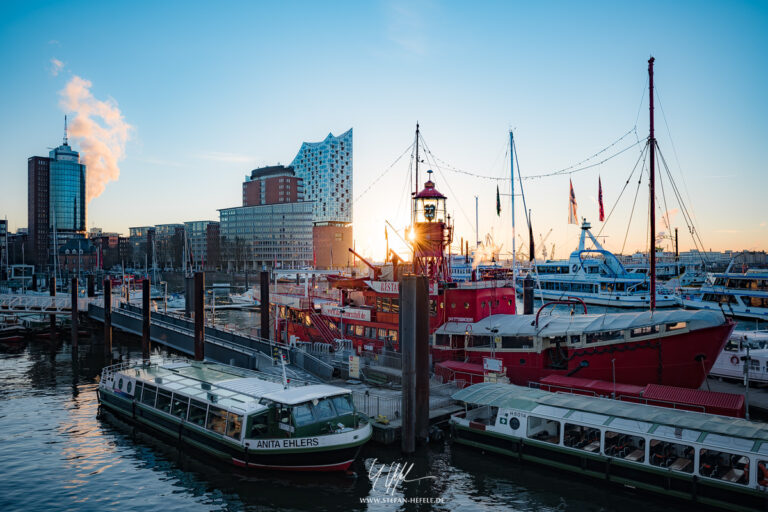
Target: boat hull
615 301
615 471
337 457
736 310
682 360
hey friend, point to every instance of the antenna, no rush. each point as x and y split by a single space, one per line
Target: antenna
66 143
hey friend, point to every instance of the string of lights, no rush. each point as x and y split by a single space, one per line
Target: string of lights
572 169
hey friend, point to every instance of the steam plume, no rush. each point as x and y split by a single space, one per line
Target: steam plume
100 130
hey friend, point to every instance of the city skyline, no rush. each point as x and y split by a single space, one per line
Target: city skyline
183 124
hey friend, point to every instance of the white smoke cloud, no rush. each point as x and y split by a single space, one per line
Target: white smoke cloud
100 131
56 66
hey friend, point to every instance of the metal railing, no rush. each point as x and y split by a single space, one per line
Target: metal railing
376 405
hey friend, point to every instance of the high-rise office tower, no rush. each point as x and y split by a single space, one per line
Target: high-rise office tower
55 200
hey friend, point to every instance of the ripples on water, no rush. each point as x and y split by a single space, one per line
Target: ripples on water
58 454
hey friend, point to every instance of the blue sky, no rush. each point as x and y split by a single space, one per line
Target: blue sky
212 90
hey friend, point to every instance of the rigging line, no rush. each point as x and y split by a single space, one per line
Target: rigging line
640 107
406 186
674 151
565 171
686 214
632 212
642 156
665 217
428 152
382 174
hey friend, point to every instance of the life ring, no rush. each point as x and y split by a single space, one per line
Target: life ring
734 360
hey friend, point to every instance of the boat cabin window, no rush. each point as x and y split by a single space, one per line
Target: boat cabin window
120 384
594 337
624 446
179 406
644 331
343 404
725 466
676 326
583 438
197 412
516 341
234 425
382 334
149 395
163 400
323 409
359 330
259 425
671 455
762 473
442 340
543 429
128 387
217 420
392 334
302 415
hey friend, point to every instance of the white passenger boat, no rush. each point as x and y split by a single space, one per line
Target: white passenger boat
596 276
730 363
743 295
712 460
237 415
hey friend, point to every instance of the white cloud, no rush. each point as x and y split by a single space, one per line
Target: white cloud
56 66
100 130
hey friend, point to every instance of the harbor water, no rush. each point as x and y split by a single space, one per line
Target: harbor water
59 453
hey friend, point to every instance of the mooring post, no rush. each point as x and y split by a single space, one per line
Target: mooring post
264 329
74 313
199 316
91 287
52 292
414 346
107 316
145 317
189 296
528 295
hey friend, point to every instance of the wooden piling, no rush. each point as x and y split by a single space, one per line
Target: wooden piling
75 312
266 332
528 295
145 317
414 345
52 292
107 316
91 286
199 316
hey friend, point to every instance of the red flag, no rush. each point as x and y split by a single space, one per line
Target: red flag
600 198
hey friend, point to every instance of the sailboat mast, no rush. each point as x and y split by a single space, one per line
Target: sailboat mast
512 196
652 143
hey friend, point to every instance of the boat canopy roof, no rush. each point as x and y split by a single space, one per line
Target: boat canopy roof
559 325
226 386
510 396
303 394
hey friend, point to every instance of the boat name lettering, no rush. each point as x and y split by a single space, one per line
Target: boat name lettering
304 442
351 314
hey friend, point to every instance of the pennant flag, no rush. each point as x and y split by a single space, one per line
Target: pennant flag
572 215
498 202
600 198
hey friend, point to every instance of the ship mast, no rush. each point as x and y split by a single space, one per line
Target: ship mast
416 183
652 143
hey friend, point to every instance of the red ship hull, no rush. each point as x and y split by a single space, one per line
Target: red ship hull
682 360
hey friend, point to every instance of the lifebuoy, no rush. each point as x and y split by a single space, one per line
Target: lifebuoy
734 360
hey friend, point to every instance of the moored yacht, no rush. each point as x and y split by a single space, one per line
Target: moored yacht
237 416
743 295
596 276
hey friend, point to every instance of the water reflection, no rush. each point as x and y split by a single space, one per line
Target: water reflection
60 454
